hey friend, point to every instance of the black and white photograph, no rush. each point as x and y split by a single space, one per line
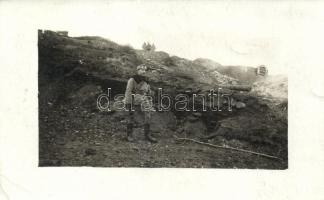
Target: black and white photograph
106 104
139 99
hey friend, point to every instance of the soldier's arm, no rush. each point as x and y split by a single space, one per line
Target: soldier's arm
129 91
149 91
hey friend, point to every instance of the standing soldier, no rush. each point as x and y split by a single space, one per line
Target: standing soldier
137 97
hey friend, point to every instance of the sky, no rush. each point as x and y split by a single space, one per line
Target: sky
228 34
246 33
231 34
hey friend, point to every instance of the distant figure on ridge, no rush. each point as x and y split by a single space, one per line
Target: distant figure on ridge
148 47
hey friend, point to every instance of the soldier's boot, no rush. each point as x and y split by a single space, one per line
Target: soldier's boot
129 131
148 135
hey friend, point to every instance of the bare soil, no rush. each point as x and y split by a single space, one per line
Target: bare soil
77 137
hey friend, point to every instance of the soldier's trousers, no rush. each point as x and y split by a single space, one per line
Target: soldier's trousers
138 109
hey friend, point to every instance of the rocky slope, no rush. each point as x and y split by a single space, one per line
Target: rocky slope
242 74
73 72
